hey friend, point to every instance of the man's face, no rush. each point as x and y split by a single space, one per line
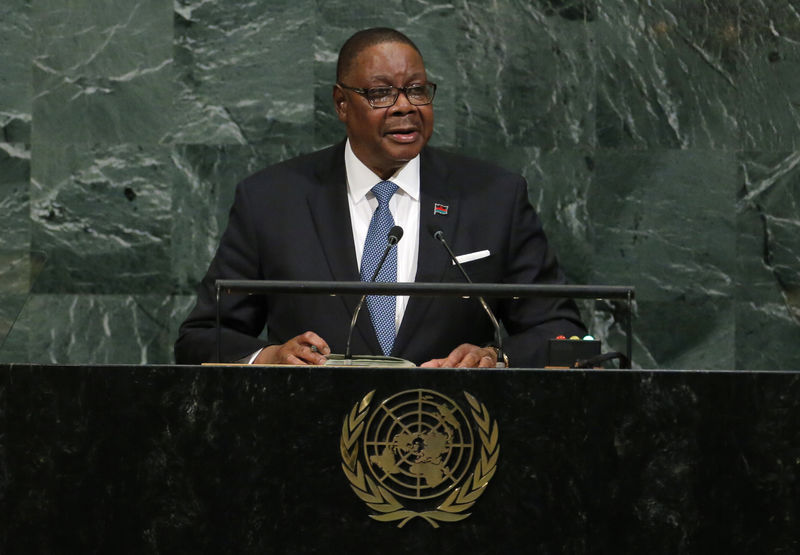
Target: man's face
384 138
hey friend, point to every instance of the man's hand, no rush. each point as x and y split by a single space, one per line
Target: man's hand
466 355
307 348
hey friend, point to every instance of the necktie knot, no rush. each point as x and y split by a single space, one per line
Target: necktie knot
383 191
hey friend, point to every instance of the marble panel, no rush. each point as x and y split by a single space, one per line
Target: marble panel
102 216
18 273
769 74
606 321
202 197
103 72
768 259
16 39
244 71
767 336
94 329
768 227
526 75
671 335
15 234
15 168
686 333
667 74
327 127
664 222
10 306
15 277
559 183
432 25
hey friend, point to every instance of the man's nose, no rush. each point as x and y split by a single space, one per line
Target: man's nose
402 104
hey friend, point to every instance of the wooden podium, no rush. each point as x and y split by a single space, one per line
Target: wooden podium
183 459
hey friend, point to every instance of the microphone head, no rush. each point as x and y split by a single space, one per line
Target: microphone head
436 232
395 234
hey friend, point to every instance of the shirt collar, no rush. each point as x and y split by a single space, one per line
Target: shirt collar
361 179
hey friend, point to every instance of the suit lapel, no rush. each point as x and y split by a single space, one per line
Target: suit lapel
330 213
432 259
331 216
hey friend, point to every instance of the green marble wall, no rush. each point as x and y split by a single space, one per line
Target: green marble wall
661 141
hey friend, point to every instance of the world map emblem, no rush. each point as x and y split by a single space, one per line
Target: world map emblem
418 454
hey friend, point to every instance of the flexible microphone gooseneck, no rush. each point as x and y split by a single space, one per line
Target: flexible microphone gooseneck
394 236
438 234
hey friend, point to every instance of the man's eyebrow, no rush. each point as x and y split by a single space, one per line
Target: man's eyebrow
388 80
379 79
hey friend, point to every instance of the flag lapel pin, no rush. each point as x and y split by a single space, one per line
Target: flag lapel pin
440 209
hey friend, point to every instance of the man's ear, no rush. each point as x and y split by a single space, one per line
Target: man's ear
340 103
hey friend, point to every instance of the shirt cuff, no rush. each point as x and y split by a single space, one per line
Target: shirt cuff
253 357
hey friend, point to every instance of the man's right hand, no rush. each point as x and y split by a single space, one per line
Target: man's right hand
306 348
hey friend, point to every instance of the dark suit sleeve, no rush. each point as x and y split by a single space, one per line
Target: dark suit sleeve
530 259
243 316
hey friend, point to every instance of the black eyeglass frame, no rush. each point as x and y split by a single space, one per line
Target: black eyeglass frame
365 93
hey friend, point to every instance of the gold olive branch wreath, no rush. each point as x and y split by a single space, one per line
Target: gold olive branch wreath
379 499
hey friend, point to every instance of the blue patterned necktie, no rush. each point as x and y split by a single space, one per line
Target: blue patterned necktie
381 307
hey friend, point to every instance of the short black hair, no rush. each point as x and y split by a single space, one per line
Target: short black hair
364 39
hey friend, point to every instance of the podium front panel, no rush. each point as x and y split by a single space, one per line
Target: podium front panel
178 459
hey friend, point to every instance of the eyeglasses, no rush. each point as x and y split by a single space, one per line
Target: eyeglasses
384 97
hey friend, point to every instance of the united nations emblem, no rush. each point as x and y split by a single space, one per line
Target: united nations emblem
419 454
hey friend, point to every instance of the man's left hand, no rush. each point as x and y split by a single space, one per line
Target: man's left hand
466 355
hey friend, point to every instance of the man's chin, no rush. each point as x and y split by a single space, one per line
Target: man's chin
392 156
403 152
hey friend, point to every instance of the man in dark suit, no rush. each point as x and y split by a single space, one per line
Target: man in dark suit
315 218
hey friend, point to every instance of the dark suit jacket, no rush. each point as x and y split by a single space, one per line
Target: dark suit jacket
291 221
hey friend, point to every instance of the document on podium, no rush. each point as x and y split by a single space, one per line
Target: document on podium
368 360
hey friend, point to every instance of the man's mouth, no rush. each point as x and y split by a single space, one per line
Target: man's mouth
403 135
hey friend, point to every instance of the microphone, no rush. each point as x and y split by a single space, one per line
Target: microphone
394 236
438 234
